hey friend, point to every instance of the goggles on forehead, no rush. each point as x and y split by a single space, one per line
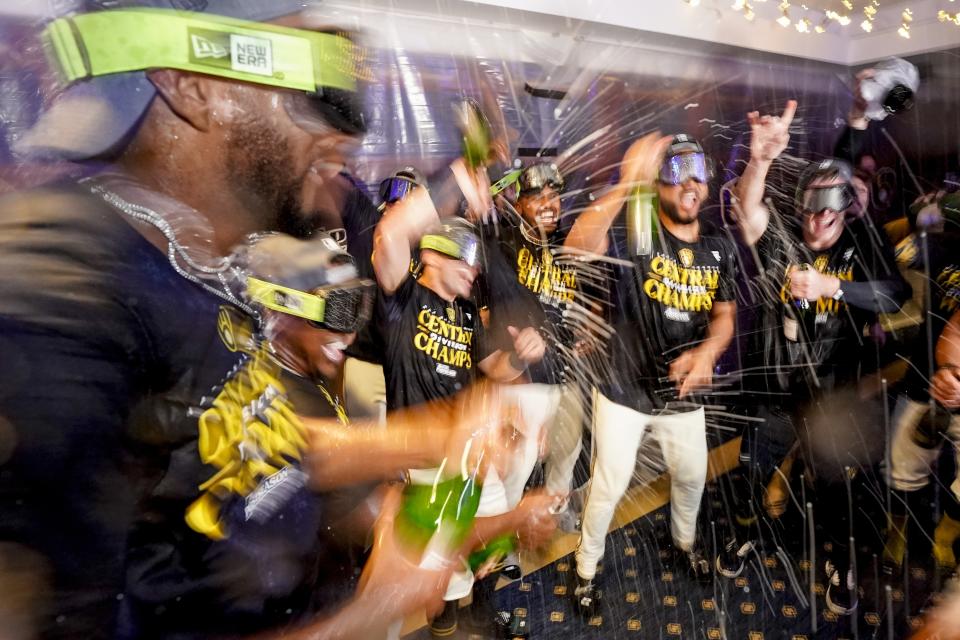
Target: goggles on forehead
342 308
686 166
396 188
837 197
465 247
320 69
534 178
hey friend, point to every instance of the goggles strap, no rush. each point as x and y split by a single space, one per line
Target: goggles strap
123 40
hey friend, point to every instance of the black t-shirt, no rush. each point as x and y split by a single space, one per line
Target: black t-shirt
944 270
262 560
532 286
801 350
662 308
433 346
97 384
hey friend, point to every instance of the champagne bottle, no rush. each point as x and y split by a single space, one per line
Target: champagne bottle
476 132
642 224
436 514
495 550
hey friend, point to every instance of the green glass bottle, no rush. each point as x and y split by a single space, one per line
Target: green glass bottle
642 224
435 517
496 550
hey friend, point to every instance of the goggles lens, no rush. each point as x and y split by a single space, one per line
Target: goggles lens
319 111
819 199
535 178
343 308
346 309
395 189
686 166
466 248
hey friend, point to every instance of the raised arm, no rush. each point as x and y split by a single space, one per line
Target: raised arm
639 168
769 136
396 233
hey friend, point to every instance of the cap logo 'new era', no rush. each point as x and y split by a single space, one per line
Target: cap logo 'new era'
223 50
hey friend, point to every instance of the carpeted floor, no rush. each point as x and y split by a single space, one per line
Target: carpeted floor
646 597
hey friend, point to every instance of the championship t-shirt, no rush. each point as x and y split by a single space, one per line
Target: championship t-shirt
662 308
433 346
536 284
234 540
944 273
818 345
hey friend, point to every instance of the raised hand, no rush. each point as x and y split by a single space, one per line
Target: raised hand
769 135
641 163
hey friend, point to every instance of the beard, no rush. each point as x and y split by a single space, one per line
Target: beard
262 168
670 210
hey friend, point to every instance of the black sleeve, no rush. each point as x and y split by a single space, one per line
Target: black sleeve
879 285
849 144
71 366
390 307
727 287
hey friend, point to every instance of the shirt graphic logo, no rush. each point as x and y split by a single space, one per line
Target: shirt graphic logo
686 257
554 284
821 262
448 344
685 288
716 255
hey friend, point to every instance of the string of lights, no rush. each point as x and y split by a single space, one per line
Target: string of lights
840 15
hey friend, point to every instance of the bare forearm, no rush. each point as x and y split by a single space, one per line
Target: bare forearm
589 232
340 456
948 346
753 215
720 330
486 529
355 620
399 229
499 367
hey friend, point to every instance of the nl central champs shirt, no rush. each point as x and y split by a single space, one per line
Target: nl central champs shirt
663 309
432 346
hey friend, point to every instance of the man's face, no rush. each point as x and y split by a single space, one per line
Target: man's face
288 174
321 349
822 229
456 276
541 209
681 203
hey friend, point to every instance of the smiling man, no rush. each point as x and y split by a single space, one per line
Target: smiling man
115 310
675 316
822 281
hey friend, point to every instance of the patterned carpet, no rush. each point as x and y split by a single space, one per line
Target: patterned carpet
646 597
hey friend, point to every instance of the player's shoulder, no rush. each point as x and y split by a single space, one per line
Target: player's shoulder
66 209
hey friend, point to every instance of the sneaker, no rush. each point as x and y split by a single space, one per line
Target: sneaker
732 558
587 597
841 594
510 568
445 624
